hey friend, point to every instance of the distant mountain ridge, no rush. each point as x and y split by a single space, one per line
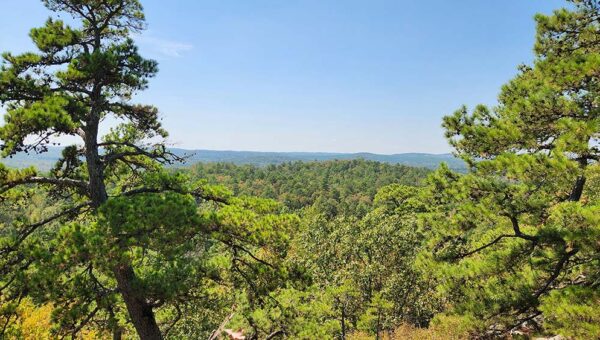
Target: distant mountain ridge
46 160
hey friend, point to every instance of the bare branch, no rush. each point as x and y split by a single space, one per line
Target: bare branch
556 272
33 227
248 252
83 323
496 240
161 156
174 322
45 180
274 334
517 229
217 332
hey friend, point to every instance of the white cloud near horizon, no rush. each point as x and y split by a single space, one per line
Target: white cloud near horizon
164 47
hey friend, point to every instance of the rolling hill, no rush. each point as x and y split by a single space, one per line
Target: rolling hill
45 161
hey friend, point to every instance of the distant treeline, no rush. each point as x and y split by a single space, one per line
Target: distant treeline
45 161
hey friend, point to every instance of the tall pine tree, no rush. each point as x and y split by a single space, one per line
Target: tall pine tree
516 239
116 230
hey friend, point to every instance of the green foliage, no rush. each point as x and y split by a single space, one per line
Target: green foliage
115 242
300 250
516 238
573 312
332 187
361 274
354 249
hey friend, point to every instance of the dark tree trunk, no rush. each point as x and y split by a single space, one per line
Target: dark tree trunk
117 334
95 171
577 189
140 311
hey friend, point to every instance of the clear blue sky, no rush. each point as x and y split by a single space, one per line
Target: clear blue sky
318 75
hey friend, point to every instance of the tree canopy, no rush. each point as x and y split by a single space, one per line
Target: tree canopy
110 242
522 227
118 241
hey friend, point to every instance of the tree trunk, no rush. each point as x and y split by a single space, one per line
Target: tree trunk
140 311
118 333
95 171
577 189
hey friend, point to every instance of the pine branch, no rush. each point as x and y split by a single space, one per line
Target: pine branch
161 156
197 193
45 180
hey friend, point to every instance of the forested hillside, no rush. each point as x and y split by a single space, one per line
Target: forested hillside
46 160
119 239
335 187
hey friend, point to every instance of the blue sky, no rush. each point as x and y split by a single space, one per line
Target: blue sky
318 75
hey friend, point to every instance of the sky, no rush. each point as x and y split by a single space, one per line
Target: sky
318 75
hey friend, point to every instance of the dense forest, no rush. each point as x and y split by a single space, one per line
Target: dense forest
115 242
332 187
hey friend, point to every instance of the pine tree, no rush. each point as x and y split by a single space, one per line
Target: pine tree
115 229
516 239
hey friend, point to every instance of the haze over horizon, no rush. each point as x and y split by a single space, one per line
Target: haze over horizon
318 76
